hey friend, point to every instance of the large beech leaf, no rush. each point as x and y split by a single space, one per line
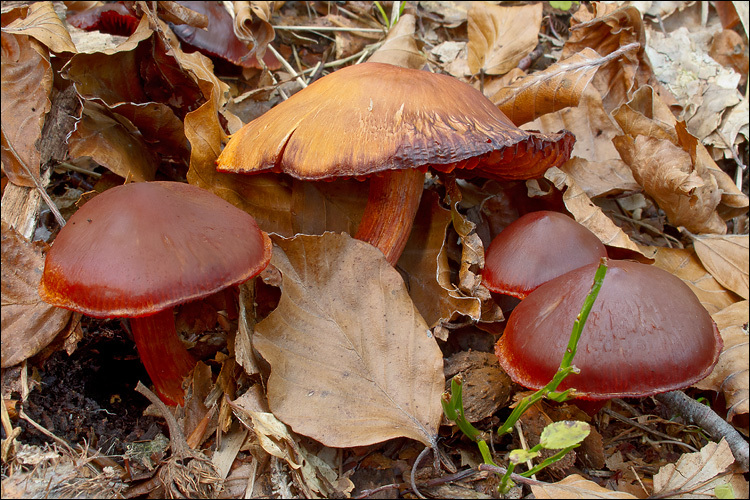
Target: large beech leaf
41 22
352 361
28 323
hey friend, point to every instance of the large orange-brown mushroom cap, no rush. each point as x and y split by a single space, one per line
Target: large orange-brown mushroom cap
374 117
647 333
140 248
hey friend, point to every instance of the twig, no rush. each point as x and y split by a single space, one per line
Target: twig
327 28
287 66
414 470
703 416
177 439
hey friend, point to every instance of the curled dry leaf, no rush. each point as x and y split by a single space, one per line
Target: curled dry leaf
588 214
725 257
730 375
41 22
559 86
684 264
27 83
673 167
28 323
499 37
352 361
109 143
252 26
575 486
424 257
400 47
696 475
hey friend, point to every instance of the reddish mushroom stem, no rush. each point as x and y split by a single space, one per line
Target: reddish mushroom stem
163 354
391 207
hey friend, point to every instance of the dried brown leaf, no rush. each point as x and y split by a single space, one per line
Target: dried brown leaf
726 258
41 22
575 486
437 299
352 361
109 143
696 475
28 323
673 167
499 37
252 26
559 86
684 264
730 375
27 83
400 47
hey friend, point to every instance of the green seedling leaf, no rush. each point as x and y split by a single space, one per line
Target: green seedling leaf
521 456
724 491
563 434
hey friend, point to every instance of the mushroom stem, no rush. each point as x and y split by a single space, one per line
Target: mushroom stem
391 207
163 354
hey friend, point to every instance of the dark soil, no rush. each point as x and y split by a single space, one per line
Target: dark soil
90 395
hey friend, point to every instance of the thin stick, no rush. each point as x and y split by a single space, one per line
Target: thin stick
644 428
414 471
287 66
327 28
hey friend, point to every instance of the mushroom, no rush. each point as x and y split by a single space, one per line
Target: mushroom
647 333
536 248
390 124
136 251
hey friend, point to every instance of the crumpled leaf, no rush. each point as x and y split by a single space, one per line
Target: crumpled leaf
352 361
674 168
28 323
575 486
436 298
109 143
684 264
588 214
251 25
27 83
606 28
400 47
696 475
559 86
41 22
499 37
725 257
730 375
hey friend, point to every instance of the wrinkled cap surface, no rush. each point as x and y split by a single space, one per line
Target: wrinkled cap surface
373 117
536 248
140 248
647 333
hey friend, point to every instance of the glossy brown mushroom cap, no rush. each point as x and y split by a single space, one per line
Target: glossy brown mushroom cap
140 248
373 117
536 248
647 333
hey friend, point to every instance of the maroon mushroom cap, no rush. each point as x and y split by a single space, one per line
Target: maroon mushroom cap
536 248
141 248
647 333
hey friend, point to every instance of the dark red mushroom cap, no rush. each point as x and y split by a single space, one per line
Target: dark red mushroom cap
374 117
141 248
647 333
536 248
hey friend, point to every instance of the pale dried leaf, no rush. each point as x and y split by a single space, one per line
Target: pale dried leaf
41 22
352 361
27 83
559 86
400 47
499 37
574 486
252 27
588 214
695 475
28 323
730 375
726 258
684 264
